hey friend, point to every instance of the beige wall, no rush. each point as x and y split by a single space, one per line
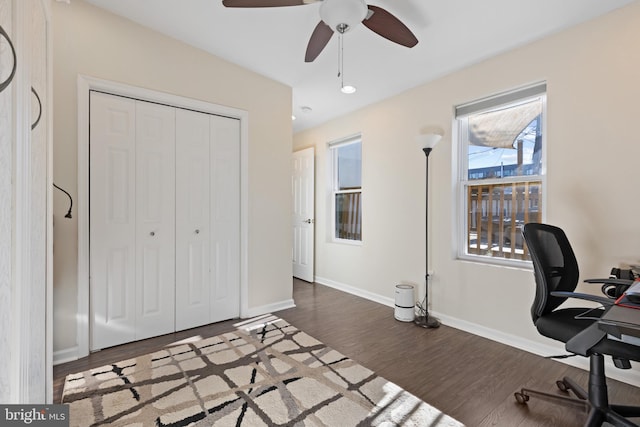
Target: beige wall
592 188
89 41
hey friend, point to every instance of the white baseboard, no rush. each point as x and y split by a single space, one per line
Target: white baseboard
72 353
389 302
65 355
269 308
631 376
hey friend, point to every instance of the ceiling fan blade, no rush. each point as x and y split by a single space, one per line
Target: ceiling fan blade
263 3
319 39
388 26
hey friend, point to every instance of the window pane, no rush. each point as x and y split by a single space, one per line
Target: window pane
505 142
496 216
501 181
348 216
349 166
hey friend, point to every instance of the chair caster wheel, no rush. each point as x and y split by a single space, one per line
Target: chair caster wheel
562 385
521 397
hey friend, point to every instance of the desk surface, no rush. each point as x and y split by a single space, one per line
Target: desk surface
621 320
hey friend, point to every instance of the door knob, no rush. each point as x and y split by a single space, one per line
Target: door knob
153 233
197 231
308 221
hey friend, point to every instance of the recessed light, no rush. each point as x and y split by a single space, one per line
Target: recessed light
348 89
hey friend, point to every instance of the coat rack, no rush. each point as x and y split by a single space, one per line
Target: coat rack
6 83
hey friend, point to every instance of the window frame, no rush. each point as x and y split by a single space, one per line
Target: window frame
461 163
333 186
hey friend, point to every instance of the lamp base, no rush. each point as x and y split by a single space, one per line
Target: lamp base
428 322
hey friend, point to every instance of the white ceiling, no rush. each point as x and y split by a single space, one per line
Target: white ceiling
452 34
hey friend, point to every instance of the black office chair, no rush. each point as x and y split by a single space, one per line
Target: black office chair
556 276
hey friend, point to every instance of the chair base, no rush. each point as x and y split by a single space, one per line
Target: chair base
595 402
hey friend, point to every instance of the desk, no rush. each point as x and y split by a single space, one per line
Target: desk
619 321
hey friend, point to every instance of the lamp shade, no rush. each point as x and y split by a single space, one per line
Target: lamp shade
428 140
336 13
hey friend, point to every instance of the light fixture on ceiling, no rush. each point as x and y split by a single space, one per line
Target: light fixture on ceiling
343 15
340 16
293 117
348 89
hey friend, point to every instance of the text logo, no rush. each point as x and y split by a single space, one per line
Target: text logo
34 415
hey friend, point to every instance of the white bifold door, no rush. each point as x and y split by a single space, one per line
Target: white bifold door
164 219
207 221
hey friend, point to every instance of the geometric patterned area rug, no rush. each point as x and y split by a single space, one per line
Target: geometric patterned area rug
266 373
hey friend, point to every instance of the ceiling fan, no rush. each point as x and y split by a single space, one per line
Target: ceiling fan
341 16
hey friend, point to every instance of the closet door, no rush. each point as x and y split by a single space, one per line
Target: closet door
164 219
225 218
192 219
112 229
155 219
132 219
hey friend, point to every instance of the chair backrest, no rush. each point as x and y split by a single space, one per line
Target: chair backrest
554 265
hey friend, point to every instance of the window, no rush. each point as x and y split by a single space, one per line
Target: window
501 141
347 189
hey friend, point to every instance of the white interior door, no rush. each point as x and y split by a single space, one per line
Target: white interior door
155 219
112 163
303 218
193 294
225 218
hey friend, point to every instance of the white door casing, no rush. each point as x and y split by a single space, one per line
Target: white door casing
303 216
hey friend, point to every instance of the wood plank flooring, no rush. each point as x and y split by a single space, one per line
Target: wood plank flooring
468 377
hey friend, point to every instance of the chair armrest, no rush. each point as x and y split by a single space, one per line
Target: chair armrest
588 297
624 282
612 288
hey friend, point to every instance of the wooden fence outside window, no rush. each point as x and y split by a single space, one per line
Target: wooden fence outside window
348 216
497 214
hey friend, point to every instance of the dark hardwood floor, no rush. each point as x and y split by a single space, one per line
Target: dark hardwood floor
468 377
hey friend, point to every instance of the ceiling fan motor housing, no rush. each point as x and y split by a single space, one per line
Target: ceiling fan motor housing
343 15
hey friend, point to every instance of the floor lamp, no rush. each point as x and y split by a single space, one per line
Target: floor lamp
427 142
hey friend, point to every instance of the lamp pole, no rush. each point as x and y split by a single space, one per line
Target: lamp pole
424 320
